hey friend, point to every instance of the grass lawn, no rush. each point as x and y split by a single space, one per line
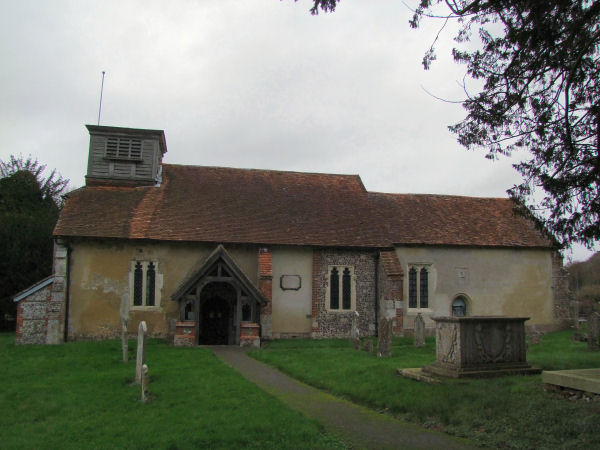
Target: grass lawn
80 395
507 412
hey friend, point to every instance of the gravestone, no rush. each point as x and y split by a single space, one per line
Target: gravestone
124 315
575 314
354 332
535 338
419 331
384 339
593 331
141 351
124 340
145 382
367 346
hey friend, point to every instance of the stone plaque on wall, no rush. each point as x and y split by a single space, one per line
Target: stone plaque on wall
290 282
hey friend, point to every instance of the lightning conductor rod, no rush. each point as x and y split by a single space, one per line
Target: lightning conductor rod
101 91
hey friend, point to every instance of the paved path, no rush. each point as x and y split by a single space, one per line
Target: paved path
359 426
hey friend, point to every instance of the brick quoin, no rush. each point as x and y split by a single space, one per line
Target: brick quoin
265 276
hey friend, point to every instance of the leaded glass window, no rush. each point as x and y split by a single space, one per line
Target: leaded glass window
424 300
412 288
150 284
334 299
346 298
138 280
144 280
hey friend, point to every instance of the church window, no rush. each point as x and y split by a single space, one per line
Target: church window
341 292
459 307
346 303
138 284
144 279
335 289
150 284
418 287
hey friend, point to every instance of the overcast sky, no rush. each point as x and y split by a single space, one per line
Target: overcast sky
248 83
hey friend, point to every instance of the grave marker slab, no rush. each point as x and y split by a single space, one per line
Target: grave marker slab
141 351
419 331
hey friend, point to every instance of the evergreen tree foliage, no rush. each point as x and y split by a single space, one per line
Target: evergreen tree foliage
539 62
28 214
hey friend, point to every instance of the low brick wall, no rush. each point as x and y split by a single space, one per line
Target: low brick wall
249 334
185 334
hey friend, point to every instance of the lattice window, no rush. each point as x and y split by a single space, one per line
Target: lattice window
346 300
138 284
412 288
150 284
144 278
424 292
335 289
340 294
418 286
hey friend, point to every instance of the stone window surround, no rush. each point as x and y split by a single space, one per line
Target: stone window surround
157 285
340 268
418 266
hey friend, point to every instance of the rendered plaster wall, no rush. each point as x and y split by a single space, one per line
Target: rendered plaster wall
100 283
509 282
292 308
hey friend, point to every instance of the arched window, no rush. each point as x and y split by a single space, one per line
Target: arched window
150 284
143 279
138 280
418 286
334 299
346 300
412 288
459 307
424 303
341 295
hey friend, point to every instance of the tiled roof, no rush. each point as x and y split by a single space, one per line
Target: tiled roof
453 220
226 205
214 204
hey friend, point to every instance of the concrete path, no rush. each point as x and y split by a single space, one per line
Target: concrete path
359 426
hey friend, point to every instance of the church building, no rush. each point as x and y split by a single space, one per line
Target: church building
215 255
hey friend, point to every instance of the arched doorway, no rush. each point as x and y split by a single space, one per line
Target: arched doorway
216 318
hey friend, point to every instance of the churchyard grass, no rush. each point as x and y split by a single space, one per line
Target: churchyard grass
506 412
80 395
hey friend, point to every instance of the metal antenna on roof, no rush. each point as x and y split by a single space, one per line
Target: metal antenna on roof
101 91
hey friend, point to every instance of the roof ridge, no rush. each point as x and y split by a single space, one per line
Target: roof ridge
346 175
406 194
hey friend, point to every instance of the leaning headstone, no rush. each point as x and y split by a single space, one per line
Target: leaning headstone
575 314
535 338
593 331
145 382
367 346
141 351
124 315
124 340
384 339
419 331
354 332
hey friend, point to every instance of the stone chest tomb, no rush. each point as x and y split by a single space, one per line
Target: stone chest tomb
480 347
